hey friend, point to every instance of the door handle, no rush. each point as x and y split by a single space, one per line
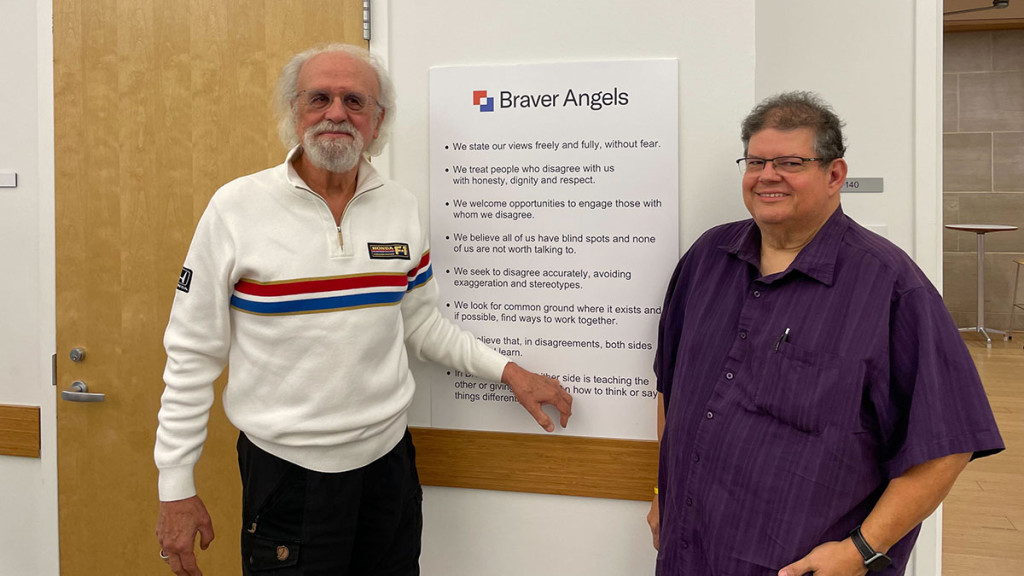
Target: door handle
80 393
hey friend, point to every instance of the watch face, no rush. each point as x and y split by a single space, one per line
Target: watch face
878 563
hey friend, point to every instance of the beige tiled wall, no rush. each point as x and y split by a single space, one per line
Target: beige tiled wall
983 170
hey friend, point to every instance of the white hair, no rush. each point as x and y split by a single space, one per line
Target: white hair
287 90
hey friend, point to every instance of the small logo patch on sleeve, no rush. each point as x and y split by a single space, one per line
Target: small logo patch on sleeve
391 251
185 280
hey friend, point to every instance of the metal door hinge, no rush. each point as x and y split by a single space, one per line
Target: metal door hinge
53 369
366 20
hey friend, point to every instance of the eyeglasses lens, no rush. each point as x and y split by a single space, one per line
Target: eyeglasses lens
787 164
319 100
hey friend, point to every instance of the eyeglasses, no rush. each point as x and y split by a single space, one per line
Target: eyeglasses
319 100
784 164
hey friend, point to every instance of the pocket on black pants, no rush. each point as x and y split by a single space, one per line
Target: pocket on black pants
274 500
264 555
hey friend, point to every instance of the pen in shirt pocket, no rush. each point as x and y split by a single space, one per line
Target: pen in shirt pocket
783 338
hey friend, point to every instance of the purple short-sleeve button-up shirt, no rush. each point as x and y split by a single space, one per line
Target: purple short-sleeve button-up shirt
792 399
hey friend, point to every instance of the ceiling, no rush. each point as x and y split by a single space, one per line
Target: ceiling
1010 17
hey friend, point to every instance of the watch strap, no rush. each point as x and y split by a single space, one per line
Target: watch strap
865 549
873 560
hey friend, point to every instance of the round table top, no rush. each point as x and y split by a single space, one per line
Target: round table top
981 228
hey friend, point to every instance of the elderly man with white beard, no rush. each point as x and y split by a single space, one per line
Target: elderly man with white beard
312 281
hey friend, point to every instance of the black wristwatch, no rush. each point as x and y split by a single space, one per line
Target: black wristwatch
874 561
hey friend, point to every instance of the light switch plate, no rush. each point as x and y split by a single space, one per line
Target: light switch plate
8 179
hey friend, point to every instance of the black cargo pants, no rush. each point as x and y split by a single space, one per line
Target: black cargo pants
363 522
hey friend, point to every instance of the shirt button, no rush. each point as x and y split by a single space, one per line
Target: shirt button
689 501
684 544
728 375
757 294
696 458
743 335
710 415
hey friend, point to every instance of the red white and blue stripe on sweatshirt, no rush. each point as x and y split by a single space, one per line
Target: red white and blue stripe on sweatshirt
329 294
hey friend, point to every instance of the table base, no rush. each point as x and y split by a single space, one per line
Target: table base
984 332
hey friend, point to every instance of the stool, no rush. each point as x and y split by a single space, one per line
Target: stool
1014 304
981 230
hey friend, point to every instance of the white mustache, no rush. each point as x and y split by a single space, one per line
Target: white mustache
328 126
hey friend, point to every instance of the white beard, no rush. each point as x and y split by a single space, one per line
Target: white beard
334 155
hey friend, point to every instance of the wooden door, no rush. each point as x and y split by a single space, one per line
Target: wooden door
157 104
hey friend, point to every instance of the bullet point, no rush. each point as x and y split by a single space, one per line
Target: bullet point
445 169
445 147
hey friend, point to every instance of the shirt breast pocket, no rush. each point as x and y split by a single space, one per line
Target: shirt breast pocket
809 390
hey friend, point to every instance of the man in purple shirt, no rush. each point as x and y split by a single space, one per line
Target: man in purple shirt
816 400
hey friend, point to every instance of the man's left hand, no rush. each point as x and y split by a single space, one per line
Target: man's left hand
829 559
533 391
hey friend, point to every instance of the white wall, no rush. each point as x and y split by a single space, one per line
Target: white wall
28 486
876 61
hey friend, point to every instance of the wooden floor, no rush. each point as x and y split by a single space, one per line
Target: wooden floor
983 516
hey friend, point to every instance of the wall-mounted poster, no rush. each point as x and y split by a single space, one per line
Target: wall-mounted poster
554 229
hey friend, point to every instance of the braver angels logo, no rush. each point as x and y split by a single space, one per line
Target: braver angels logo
481 99
594 100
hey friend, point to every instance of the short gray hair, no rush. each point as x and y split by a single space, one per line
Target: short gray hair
287 90
793 110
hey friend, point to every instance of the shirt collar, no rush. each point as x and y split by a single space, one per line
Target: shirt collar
367 179
816 260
